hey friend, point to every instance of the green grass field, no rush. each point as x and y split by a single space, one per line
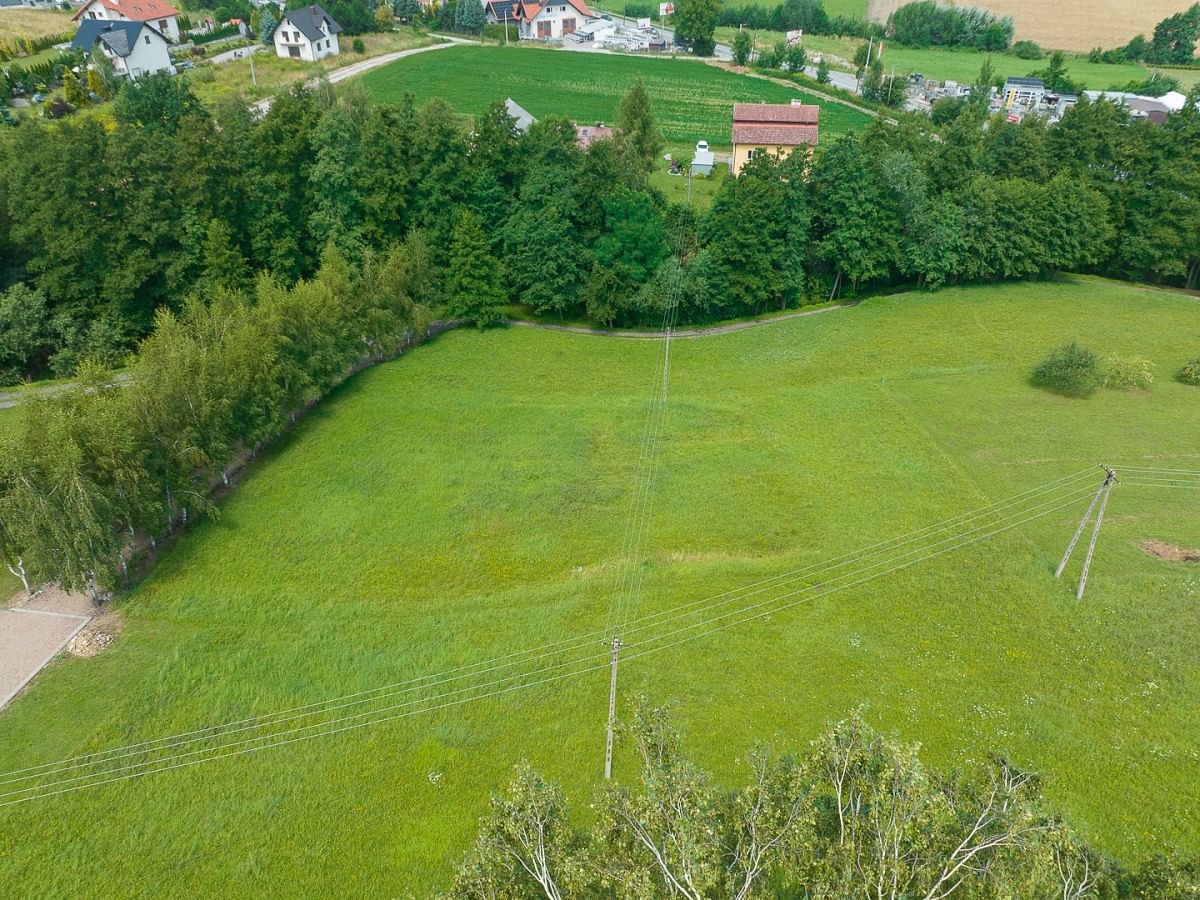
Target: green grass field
469 500
692 101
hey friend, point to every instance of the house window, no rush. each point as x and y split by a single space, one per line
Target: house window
147 39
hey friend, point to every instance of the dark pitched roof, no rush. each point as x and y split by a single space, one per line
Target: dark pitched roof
501 10
1020 81
118 36
308 19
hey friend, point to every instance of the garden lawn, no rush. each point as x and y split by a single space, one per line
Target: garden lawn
692 101
469 501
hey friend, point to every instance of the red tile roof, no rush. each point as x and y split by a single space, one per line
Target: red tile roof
527 10
760 113
775 135
134 10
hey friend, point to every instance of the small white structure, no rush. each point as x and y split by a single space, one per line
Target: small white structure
549 20
133 48
162 16
595 30
307 33
524 118
702 162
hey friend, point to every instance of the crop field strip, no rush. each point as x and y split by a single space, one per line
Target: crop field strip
692 101
819 580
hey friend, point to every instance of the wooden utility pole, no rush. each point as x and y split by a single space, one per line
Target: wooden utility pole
1087 560
612 707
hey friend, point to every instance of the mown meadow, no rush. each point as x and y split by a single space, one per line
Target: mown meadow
469 500
692 101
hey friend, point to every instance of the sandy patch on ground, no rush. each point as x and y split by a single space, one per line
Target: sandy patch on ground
98 634
1169 552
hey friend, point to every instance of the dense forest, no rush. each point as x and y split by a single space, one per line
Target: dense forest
101 227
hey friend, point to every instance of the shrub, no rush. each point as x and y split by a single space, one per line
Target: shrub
1071 370
1190 374
1027 50
358 46
1128 372
641 10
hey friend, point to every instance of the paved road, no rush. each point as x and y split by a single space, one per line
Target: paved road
239 53
374 62
32 632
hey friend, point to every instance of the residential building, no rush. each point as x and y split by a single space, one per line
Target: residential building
162 16
549 20
773 128
133 48
586 135
1026 92
308 33
500 12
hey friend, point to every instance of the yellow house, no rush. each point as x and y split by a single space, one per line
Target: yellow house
775 128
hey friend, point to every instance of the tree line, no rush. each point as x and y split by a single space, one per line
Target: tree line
855 814
101 227
928 23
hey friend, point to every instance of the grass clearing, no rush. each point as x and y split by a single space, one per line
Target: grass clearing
469 499
692 101
214 83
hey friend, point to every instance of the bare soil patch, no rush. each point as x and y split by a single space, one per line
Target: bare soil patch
1066 24
1169 552
97 636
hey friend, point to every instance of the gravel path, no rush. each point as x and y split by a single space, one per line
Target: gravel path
683 332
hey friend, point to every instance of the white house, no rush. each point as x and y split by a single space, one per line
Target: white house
134 48
161 15
307 33
549 20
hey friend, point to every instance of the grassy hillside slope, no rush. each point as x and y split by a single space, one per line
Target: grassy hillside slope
469 500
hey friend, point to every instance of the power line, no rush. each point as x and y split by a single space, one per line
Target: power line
567 645
373 715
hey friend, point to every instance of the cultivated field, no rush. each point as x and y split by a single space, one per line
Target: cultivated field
469 501
692 101
25 22
1067 24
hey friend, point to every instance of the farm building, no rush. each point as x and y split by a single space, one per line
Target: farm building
307 33
549 21
1026 92
133 48
774 128
162 16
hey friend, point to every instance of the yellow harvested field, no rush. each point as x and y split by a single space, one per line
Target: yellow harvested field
1067 24
25 22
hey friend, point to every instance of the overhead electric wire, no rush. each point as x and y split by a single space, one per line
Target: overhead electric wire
581 641
373 716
